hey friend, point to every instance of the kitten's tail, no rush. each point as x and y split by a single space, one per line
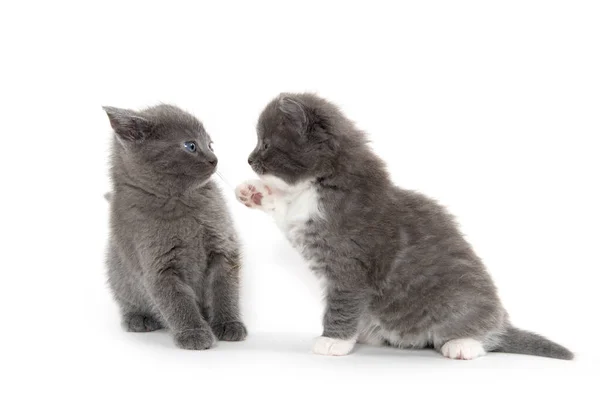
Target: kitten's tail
518 341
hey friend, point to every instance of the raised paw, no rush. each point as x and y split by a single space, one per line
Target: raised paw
140 323
463 349
255 194
233 331
195 339
327 346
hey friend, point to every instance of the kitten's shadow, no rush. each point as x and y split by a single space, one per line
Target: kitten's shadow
160 338
260 342
284 343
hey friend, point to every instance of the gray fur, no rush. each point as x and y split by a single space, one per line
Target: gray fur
397 269
173 257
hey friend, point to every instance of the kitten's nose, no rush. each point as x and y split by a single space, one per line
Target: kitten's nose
212 160
250 160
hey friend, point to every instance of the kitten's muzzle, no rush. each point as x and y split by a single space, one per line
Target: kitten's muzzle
212 160
256 166
256 163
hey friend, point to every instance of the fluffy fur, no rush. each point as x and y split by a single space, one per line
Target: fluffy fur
397 270
173 258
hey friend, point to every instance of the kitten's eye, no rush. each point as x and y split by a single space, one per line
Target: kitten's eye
265 146
190 146
210 146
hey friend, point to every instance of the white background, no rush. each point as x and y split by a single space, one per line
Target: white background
492 108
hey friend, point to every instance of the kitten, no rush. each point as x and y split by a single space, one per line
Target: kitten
397 269
173 256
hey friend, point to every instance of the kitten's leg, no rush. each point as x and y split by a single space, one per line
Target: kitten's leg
256 194
136 314
226 323
463 349
136 318
176 301
340 323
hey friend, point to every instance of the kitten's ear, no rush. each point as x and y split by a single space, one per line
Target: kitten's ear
128 124
295 111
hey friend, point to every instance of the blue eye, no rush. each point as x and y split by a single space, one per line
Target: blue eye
190 146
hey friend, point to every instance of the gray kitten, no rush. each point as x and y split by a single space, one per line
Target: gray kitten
397 270
173 258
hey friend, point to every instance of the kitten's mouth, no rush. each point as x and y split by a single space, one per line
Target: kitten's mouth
259 169
210 170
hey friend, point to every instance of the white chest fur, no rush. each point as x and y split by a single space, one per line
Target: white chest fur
293 207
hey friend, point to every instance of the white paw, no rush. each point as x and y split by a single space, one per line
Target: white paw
327 346
255 194
463 349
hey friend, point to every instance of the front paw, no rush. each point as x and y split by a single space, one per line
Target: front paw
195 339
233 331
327 346
255 194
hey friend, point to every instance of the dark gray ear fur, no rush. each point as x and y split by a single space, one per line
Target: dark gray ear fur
128 124
295 111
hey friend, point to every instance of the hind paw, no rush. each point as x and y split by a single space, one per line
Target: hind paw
463 349
140 323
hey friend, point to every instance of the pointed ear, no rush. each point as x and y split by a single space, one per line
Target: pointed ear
295 111
128 124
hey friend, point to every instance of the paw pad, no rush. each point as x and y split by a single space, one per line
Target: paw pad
253 195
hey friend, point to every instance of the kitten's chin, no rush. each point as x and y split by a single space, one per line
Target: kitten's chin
204 178
203 182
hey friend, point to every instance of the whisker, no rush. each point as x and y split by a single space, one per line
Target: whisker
224 180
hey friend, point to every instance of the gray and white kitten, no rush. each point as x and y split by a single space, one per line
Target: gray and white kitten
173 257
397 270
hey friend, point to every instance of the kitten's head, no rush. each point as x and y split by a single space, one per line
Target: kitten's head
297 138
164 144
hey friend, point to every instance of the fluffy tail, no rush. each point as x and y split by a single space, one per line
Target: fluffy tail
523 342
